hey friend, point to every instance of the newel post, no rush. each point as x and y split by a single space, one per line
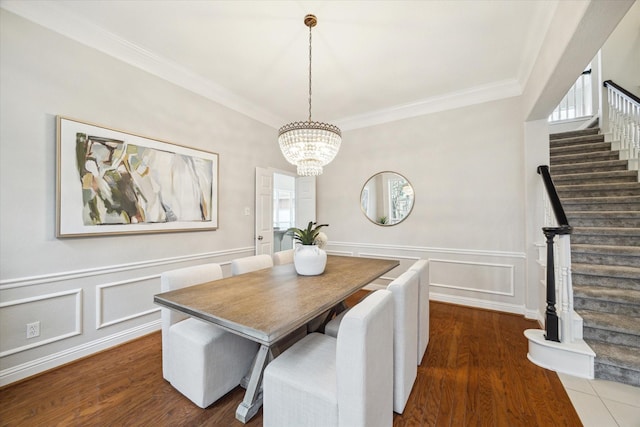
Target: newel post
552 322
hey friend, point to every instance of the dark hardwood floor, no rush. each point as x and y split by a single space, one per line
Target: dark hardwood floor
475 373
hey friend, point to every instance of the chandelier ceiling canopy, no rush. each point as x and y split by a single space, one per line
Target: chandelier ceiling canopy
309 145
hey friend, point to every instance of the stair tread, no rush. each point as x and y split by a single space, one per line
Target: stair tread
619 355
594 174
617 185
609 249
625 296
618 270
595 164
559 138
574 133
612 322
622 214
621 231
602 199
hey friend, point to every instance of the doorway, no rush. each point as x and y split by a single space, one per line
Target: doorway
283 200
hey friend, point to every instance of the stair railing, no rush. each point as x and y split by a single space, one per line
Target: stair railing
624 120
577 102
562 229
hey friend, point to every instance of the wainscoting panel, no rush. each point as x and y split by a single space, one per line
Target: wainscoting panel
58 315
84 311
479 277
125 300
492 279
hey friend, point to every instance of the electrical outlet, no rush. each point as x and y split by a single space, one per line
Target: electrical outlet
33 330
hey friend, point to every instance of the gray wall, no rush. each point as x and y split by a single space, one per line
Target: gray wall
621 52
465 166
93 292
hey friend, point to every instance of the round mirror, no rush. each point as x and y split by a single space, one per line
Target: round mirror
387 198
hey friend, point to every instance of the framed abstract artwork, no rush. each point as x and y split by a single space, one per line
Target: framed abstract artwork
113 182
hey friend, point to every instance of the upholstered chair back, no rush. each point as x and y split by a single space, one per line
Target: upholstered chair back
177 279
283 257
422 268
251 263
405 337
364 353
322 381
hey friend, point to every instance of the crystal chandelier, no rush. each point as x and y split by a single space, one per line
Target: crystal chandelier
309 145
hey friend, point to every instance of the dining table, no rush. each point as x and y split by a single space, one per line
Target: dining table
272 305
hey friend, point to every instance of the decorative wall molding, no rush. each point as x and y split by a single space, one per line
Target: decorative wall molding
116 268
427 249
510 292
482 297
340 253
56 18
77 330
100 323
42 364
373 255
449 101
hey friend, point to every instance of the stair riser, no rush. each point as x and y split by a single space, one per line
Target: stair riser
611 337
619 166
610 282
603 156
596 207
605 259
588 148
576 140
623 177
586 239
605 222
582 133
580 303
617 374
604 192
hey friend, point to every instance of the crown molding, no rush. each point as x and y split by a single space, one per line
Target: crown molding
448 101
55 17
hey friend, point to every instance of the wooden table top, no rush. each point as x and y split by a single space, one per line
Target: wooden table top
266 305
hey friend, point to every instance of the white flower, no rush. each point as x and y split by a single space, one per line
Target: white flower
321 240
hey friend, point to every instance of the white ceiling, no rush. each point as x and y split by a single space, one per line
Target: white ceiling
372 60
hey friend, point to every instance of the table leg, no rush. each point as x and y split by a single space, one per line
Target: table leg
253 396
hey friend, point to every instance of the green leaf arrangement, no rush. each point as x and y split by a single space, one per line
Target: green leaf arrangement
306 236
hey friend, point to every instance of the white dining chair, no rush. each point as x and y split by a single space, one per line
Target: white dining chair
283 257
405 336
345 381
199 359
422 268
250 263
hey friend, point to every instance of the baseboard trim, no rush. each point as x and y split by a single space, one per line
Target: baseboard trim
38 366
477 303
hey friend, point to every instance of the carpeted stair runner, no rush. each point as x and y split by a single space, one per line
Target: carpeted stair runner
602 202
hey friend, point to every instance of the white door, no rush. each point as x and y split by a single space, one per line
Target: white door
305 200
264 211
305 207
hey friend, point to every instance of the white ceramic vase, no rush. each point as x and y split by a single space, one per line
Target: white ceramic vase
309 260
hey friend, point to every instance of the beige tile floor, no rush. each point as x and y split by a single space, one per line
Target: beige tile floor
602 403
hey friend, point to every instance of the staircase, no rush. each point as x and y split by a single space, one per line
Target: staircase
602 202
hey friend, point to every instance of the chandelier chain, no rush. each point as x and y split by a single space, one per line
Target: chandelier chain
310 72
